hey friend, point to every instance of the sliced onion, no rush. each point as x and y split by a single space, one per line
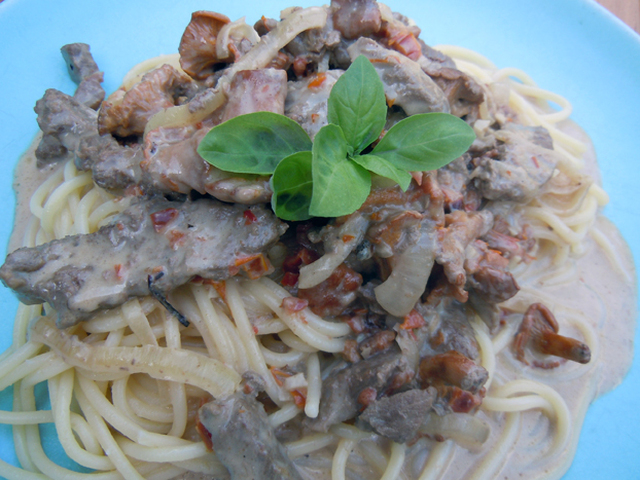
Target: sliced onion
318 271
400 292
170 364
466 430
235 31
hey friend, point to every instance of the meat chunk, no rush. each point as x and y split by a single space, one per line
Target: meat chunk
244 440
262 90
405 84
525 162
126 113
399 416
306 101
356 18
64 123
170 242
340 392
84 71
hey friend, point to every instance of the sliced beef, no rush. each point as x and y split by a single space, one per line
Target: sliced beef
525 162
167 243
340 392
244 441
84 71
399 416
405 84
306 101
356 18
64 122
262 90
463 93
488 274
126 113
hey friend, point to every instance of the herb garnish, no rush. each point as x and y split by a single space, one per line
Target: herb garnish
330 176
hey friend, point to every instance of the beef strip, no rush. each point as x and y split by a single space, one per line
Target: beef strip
340 392
399 416
171 242
84 71
244 441
405 84
356 18
525 162
64 122
306 101
262 90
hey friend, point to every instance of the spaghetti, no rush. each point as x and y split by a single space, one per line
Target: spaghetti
125 385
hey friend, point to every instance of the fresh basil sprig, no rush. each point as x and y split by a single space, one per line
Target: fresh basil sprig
331 176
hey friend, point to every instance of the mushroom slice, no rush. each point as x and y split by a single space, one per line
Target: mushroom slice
539 329
198 52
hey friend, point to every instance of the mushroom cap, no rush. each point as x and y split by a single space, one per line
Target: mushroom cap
198 44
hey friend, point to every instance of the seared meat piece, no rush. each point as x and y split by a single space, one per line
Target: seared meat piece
126 113
525 162
356 18
462 91
84 71
244 440
168 242
306 101
171 160
405 84
399 416
340 392
64 121
262 90
452 330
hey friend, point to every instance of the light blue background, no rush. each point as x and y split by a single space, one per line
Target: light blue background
573 47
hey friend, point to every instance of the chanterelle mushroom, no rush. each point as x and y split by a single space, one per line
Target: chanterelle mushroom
198 44
539 329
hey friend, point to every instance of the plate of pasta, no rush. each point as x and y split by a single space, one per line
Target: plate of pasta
359 240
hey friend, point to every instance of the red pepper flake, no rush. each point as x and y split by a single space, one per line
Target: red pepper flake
367 396
347 238
118 268
407 44
249 217
204 434
293 304
303 257
255 266
314 117
413 320
319 80
289 279
220 287
162 218
176 238
299 398
535 161
255 330
279 375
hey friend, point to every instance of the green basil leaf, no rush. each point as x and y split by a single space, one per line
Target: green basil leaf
426 141
384 168
292 187
253 143
357 103
340 186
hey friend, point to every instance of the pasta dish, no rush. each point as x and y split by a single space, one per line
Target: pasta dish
313 247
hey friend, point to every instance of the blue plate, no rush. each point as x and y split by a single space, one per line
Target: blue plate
572 47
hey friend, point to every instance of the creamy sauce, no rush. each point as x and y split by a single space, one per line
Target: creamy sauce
603 294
